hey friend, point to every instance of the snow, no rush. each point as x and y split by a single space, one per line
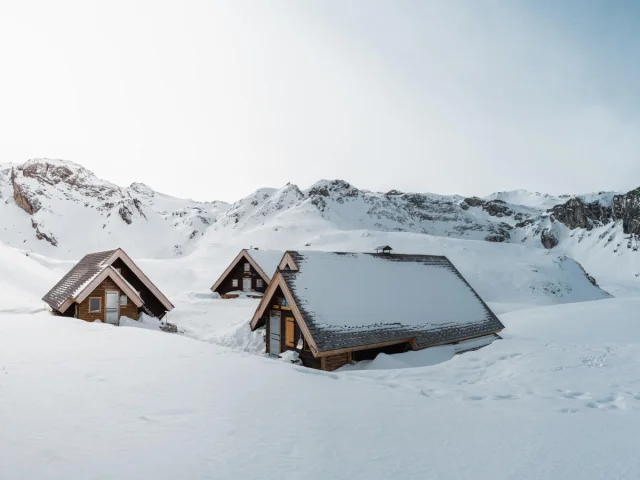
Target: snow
558 397
546 402
365 291
267 259
145 321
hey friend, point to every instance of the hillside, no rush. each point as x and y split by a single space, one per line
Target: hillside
62 209
57 208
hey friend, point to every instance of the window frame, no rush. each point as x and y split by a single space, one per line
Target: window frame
99 299
234 282
247 267
126 300
259 283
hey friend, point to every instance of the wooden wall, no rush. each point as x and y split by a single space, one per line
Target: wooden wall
150 301
307 358
238 273
336 361
130 310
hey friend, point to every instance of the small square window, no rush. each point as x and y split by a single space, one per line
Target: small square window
234 282
94 305
123 300
247 267
259 283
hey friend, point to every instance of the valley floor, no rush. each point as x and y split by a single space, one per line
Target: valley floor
559 397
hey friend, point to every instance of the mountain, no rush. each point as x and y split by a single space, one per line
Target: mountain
57 208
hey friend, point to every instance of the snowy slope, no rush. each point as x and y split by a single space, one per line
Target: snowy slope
558 398
61 209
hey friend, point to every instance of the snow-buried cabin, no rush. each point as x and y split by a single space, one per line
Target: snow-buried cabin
248 274
105 286
334 308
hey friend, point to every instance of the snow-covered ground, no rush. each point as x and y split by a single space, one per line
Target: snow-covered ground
559 397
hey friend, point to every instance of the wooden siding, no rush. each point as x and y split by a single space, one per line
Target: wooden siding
335 361
150 300
130 310
371 353
307 358
238 273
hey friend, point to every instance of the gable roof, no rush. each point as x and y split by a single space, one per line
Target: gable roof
350 300
264 262
95 267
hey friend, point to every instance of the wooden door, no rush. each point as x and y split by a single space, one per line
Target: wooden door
274 333
246 284
112 308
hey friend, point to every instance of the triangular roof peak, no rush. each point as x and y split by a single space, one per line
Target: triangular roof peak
82 277
263 261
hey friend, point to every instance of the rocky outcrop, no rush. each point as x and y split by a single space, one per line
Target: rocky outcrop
548 239
23 197
627 208
43 236
575 213
497 208
472 202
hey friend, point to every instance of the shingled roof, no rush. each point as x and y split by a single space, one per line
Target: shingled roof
80 275
349 300
88 269
265 263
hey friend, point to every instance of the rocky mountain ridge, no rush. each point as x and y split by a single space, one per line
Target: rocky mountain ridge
39 197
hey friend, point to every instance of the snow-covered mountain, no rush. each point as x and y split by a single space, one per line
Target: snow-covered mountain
63 210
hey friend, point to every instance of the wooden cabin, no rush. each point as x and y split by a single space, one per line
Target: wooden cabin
105 286
335 308
386 249
248 274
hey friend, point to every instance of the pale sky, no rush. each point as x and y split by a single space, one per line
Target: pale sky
213 99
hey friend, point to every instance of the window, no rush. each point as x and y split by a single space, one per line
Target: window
94 304
234 282
123 300
283 302
259 283
289 331
247 267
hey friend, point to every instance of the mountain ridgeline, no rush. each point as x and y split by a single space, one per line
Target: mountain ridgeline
47 204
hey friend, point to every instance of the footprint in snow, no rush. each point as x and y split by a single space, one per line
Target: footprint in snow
476 398
505 397
569 410
611 402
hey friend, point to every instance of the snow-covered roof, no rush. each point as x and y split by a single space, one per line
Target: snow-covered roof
77 278
354 299
90 269
268 260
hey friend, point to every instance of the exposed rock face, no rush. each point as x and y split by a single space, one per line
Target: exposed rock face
472 202
23 197
575 213
548 239
497 208
627 207
43 236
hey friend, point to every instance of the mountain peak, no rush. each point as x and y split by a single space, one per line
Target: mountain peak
142 189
